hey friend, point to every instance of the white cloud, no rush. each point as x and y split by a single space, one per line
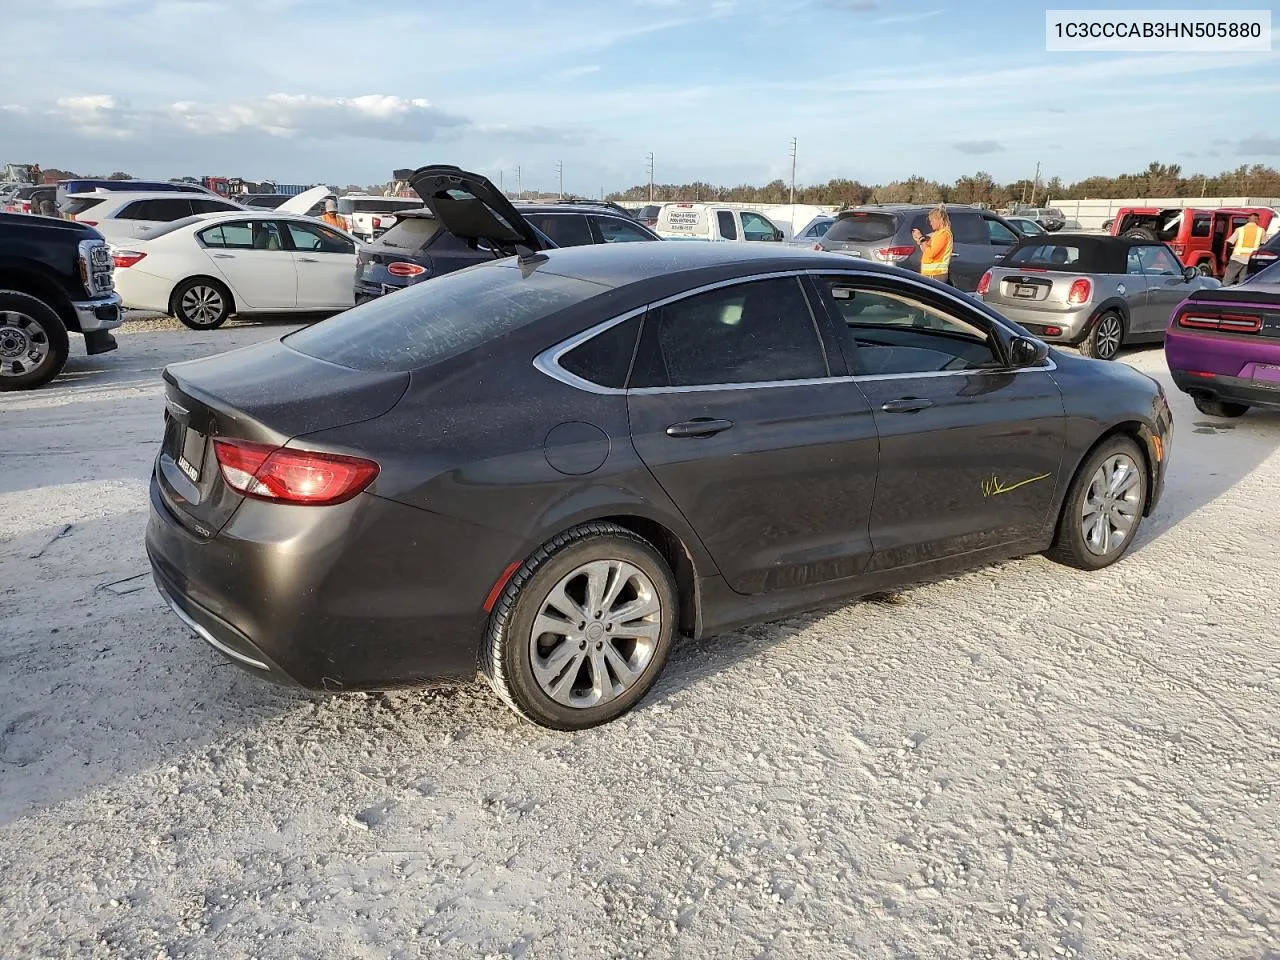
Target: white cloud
583 71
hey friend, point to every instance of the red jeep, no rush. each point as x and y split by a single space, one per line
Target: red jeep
1197 236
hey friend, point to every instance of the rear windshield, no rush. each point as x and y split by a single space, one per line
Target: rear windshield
81 204
442 318
375 204
1049 256
863 227
410 233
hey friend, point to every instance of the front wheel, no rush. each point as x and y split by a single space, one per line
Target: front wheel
582 629
1104 339
1104 507
1220 408
201 304
33 342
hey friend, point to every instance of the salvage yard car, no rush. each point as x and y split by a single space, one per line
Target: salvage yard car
548 466
204 269
882 233
1197 237
1223 346
1091 291
55 279
707 221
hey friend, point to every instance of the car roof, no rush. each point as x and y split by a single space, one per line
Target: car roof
124 196
556 207
616 265
1099 239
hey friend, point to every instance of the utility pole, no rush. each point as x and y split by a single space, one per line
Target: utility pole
793 172
500 190
1035 183
650 158
519 184
560 175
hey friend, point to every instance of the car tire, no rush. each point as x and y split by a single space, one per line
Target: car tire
600 666
1105 337
1092 515
201 303
1220 408
33 341
1140 233
1206 268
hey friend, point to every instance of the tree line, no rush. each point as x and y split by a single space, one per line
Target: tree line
1158 180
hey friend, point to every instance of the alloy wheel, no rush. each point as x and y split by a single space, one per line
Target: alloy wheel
595 633
202 305
1112 505
24 343
1108 336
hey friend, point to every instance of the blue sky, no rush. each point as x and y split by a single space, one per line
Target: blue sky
343 91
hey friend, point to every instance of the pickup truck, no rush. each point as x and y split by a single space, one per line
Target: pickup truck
706 221
55 279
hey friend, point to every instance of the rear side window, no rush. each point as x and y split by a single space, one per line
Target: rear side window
745 333
728 229
969 228
80 205
617 230
201 205
409 233
863 227
1200 225
442 318
161 210
565 230
605 359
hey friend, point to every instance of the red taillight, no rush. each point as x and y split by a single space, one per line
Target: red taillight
1228 322
1080 292
1202 374
402 269
87 223
1178 248
984 284
26 206
282 475
126 258
1053 331
893 254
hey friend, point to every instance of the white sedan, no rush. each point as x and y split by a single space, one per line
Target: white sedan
205 268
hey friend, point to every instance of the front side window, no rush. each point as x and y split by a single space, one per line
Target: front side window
728 229
999 234
885 332
617 230
1159 261
315 238
756 227
745 333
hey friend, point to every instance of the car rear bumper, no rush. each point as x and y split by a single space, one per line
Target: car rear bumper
1238 369
1245 390
367 595
1071 325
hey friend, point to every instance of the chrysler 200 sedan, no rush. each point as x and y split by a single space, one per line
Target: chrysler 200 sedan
549 466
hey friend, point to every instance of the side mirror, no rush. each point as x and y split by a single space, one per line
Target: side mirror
1026 352
1190 273
777 234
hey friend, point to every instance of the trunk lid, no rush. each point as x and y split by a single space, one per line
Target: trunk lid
1036 288
470 207
266 393
304 201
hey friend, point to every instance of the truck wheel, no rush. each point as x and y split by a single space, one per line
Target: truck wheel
1140 233
1103 341
201 303
33 341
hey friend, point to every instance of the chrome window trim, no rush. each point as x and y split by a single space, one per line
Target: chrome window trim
547 361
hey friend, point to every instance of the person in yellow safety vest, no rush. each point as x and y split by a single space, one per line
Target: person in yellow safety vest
332 217
935 249
1247 239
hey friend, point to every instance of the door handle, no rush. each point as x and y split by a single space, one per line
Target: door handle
308 260
224 256
698 427
907 405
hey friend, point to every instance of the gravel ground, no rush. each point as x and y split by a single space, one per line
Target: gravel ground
1023 762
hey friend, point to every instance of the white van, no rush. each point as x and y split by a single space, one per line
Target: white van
706 221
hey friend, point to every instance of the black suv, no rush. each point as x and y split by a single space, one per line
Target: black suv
433 241
882 233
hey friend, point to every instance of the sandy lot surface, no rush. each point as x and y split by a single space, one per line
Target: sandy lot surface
1024 762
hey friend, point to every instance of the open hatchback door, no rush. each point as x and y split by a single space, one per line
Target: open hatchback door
471 208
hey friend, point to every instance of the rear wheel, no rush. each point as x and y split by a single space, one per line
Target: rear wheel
1206 268
1104 507
201 303
1220 408
583 628
1140 233
33 341
1104 339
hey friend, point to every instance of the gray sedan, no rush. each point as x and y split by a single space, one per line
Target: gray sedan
1094 292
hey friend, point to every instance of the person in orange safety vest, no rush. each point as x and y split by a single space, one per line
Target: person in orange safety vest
935 249
332 217
1247 239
